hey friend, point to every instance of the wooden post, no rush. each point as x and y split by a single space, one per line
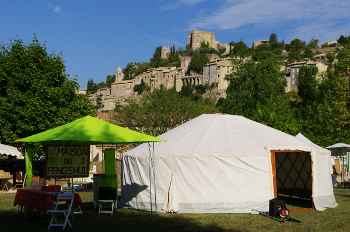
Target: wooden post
273 165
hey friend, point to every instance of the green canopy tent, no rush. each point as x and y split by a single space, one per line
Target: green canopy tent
86 130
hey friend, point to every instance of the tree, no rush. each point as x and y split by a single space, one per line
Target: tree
157 60
343 64
130 71
91 87
197 62
140 88
109 80
344 41
174 57
239 49
313 44
36 92
296 50
307 84
99 102
273 39
330 121
175 109
256 91
204 45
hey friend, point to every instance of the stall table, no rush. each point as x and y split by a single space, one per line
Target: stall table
38 200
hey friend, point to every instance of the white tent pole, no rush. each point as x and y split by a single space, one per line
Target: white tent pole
150 175
154 176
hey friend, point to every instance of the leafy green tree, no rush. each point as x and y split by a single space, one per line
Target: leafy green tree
157 60
256 91
99 102
204 45
330 120
239 49
296 50
91 87
101 84
109 80
344 41
144 114
140 88
308 53
197 62
313 44
130 71
307 84
174 58
36 92
273 38
343 64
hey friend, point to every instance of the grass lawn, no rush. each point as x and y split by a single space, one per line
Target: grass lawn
337 219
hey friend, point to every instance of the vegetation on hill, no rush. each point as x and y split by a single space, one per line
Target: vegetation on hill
161 110
35 91
321 107
92 87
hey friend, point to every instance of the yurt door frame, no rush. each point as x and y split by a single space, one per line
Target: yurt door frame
300 177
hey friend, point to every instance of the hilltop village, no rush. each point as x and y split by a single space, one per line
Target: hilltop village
220 62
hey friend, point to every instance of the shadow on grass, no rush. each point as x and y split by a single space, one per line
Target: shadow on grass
123 220
343 195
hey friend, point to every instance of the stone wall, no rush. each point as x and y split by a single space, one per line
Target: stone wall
292 73
196 38
216 71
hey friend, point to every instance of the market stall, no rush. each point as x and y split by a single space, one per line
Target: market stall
9 158
67 149
341 161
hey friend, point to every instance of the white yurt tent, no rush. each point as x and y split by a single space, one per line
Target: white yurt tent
214 163
322 163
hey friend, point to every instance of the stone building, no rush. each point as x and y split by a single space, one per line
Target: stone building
292 72
216 71
119 92
185 62
258 43
168 77
164 52
196 38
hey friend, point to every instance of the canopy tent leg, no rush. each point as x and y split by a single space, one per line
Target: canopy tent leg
109 163
28 156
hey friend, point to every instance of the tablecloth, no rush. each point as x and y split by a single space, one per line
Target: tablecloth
38 200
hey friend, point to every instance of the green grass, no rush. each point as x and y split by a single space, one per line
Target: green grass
337 219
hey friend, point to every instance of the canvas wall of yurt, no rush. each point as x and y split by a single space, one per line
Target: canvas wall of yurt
223 163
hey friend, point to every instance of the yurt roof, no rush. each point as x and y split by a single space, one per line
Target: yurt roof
321 150
221 134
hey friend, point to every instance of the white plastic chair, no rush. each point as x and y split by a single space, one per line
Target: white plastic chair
60 217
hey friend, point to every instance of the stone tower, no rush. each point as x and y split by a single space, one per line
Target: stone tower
196 38
119 75
164 52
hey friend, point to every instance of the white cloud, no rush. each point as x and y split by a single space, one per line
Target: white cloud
56 9
190 2
312 17
175 4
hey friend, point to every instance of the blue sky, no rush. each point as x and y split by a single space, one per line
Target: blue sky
94 37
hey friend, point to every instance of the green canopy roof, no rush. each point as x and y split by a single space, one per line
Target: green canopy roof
89 130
